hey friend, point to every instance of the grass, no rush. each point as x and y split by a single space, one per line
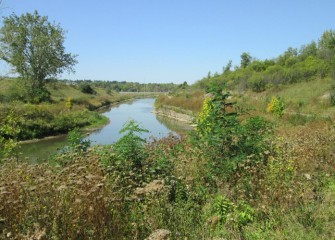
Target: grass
307 97
190 101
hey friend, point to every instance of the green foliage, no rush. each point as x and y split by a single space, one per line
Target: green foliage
35 48
69 103
130 147
276 106
227 215
327 40
257 84
76 141
222 208
227 68
9 131
223 137
36 95
203 115
86 88
245 59
311 61
37 121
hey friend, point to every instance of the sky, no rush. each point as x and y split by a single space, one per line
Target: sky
163 41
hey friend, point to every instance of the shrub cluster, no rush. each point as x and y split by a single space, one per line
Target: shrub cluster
36 121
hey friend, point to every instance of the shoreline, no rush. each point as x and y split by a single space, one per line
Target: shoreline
182 117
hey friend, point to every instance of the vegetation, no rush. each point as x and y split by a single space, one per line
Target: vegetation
276 106
310 62
258 165
232 178
116 86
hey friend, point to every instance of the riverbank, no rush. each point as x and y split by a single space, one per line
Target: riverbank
172 113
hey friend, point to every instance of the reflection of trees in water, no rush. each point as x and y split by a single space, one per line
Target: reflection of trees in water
174 125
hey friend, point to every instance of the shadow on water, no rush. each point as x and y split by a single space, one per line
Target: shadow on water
139 110
41 150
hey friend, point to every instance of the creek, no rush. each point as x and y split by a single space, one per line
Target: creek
140 110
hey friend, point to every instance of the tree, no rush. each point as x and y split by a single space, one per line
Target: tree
327 46
228 66
308 50
327 40
245 59
34 47
209 75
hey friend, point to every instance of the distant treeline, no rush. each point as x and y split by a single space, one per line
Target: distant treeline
124 86
311 61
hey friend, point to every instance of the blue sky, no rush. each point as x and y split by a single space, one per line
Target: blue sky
176 40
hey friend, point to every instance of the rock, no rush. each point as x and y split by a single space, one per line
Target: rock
307 176
159 234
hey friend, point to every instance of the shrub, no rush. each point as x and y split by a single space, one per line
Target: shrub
276 107
222 136
76 141
9 131
69 103
130 147
86 88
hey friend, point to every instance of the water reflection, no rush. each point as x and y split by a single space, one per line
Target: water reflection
174 125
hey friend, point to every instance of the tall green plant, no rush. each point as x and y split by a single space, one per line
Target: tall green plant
76 141
130 147
276 107
223 137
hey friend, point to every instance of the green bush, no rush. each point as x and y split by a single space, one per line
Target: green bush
224 138
130 147
86 88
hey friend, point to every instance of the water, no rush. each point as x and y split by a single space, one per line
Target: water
138 110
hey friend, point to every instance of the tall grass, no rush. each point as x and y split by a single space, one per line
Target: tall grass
187 101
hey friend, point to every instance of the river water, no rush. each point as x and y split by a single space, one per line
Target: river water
139 110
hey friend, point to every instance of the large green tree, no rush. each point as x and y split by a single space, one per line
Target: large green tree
34 47
245 59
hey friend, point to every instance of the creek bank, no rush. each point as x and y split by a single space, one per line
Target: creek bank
172 113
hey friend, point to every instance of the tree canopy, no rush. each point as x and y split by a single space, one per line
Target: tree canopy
34 47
